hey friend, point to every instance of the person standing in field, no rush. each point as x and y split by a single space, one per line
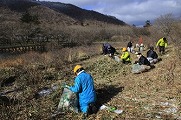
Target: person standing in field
130 47
162 44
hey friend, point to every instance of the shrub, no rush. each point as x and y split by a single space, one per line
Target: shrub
27 18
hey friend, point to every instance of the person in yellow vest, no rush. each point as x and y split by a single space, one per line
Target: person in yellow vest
125 57
162 43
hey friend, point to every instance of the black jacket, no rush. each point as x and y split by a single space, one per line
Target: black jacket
108 49
143 61
130 44
112 50
152 54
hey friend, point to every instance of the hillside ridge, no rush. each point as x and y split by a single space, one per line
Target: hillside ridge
70 10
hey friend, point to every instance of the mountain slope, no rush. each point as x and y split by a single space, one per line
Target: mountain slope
73 12
18 5
81 14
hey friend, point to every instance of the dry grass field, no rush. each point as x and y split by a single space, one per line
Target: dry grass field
30 83
152 95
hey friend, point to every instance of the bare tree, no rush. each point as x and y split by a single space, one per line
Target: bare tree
170 28
165 24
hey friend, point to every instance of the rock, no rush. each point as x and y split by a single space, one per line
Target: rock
8 81
7 101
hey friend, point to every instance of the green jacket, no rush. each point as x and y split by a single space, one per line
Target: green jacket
126 56
161 42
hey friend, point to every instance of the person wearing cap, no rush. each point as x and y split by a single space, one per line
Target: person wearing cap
162 44
142 60
152 56
125 57
84 87
141 65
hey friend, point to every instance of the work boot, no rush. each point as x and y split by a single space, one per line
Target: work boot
84 116
91 108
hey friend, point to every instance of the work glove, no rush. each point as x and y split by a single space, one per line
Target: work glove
136 62
65 86
156 47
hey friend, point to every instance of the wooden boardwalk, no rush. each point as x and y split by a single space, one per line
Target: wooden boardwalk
20 48
22 43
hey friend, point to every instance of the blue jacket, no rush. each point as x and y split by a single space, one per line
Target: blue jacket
84 86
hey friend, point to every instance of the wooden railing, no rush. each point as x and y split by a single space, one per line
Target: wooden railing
22 48
23 43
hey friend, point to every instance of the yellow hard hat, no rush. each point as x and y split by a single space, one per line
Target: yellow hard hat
124 49
77 67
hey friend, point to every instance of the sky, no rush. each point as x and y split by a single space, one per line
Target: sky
130 11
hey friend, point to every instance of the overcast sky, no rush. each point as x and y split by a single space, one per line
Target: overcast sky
130 11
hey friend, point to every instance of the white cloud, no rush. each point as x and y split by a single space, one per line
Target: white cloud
130 11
